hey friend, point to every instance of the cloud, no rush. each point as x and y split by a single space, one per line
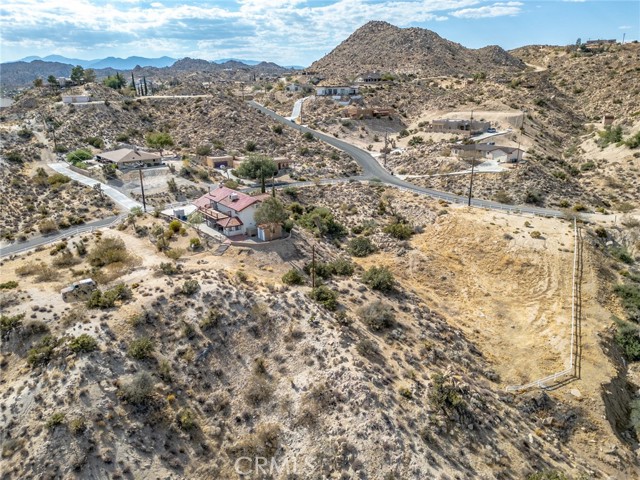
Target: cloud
285 30
625 27
489 11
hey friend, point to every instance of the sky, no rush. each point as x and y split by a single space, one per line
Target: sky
291 32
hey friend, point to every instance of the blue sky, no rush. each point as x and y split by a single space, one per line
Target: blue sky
291 31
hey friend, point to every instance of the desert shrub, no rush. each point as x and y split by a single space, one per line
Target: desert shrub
47 226
325 297
174 253
308 136
548 475
58 179
107 251
250 146
203 150
43 351
622 254
195 243
361 247
610 135
628 339
139 390
533 197
79 156
83 344
141 348
416 140
277 129
379 278
291 191
587 166
34 327
342 267
8 285
322 270
190 287
77 425
443 395
633 141
65 259
108 299
630 296
211 320
264 442
169 268
258 390
401 231
579 207
293 277
55 420
9 323
601 232
535 234
28 269
175 226
377 315
186 419
320 221
367 348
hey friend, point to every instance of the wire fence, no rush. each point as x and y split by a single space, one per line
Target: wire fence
570 371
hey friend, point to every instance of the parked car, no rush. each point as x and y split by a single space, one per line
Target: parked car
491 130
79 291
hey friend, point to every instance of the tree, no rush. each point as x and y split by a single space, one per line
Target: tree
257 167
89 76
271 212
159 140
53 82
77 74
38 82
116 82
195 219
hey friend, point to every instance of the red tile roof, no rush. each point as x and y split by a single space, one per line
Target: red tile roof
222 195
229 222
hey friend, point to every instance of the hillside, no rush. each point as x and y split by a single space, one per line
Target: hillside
380 46
196 366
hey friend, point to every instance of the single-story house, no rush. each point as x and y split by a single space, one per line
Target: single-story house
336 91
130 158
369 77
281 162
222 161
488 152
293 87
354 111
230 212
76 98
448 125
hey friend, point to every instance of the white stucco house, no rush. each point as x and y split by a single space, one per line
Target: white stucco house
76 99
489 152
336 91
230 212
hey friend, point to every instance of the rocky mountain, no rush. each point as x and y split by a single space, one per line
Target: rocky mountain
384 47
109 62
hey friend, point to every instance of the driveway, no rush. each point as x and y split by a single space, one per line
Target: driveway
115 195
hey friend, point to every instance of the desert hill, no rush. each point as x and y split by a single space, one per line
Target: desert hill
383 47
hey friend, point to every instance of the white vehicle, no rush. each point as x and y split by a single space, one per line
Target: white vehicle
79 291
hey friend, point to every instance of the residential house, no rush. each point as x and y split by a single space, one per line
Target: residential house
446 125
607 120
130 158
369 77
230 212
270 231
336 91
488 152
293 87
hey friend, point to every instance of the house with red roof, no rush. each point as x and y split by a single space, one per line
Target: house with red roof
230 212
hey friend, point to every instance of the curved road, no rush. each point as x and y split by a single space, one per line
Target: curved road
371 167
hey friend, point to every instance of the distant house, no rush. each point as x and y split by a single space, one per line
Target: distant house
369 77
222 161
76 98
130 158
488 152
336 91
230 212
293 87
607 120
447 125
589 44
356 112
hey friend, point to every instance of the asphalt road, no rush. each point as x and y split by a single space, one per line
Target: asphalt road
371 167
34 242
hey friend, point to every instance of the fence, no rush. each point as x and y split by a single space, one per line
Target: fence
570 371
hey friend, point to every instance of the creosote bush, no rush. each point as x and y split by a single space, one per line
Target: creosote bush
107 251
361 247
83 344
139 390
140 348
293 277
379 278
190 287
377 315
325 297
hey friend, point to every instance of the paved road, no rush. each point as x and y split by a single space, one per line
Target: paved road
44 239
297 108
115 195
371 167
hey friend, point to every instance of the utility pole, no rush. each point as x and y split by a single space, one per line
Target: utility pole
313 266
473 158
273 186
384 152
144 203
518 157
